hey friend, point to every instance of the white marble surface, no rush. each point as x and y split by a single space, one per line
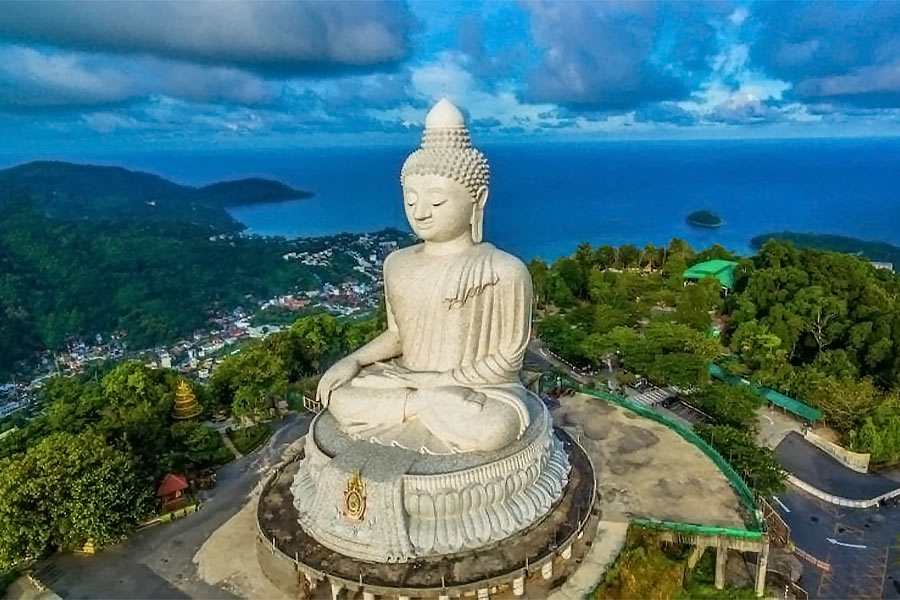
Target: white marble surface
453 451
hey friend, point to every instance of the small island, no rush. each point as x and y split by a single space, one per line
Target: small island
704 218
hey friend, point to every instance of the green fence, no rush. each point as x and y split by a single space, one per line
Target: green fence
691 529
743 491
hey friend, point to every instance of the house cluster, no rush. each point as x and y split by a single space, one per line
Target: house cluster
198 355
322 258
78 353
10 401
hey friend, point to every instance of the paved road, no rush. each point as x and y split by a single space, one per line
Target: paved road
150 564
864 564
820 470
537 353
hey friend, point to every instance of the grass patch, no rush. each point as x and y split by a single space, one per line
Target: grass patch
645 569
250 438
650 569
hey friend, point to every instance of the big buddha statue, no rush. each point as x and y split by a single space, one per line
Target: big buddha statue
430 444
443 377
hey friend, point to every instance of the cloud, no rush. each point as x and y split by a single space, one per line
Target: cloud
742 108
298 37
871 86
31 79
847 52
45 79
665 112
620 56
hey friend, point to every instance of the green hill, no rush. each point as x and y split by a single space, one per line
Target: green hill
251 191
877 251
73 191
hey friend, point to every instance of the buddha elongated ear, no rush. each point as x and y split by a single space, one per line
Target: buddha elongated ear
481 196
478 202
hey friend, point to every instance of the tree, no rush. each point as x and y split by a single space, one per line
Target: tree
572 275
64 491
733 405
321 336
879 434
680 248
649 256
539 274
715 252
563 338
755 464
822 315
683 370
605 256
195 445
760 353
846 402
628 256
584 256
694 303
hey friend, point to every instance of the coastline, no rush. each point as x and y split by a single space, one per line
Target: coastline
705 225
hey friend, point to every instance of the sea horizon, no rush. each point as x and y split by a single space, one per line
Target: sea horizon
545 199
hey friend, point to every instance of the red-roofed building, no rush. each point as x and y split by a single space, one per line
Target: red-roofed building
171 492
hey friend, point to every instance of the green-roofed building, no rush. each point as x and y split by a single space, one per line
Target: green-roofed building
723 270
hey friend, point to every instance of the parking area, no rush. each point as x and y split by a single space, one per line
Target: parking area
860 545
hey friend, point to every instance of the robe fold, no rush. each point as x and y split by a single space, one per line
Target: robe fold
468 314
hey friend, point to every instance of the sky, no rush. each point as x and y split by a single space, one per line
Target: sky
90 76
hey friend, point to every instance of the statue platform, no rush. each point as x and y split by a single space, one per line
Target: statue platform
539 556
390 504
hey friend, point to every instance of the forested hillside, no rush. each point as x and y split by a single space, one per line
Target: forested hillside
74 191
156 281
823 327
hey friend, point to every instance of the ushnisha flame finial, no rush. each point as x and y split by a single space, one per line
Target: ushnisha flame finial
447 150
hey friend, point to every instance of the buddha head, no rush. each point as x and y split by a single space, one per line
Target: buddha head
445 182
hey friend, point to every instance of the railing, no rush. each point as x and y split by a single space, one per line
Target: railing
294 565
692 529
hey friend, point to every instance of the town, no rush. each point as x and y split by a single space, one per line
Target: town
197 356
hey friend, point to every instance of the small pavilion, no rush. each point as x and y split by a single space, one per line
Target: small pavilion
171 492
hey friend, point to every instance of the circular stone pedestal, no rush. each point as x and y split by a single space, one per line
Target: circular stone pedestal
293 560
389 504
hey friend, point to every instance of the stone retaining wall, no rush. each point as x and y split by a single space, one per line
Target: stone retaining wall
839 500
852 460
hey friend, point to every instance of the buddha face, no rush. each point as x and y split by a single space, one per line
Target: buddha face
438 208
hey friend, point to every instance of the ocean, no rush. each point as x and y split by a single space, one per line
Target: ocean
545 199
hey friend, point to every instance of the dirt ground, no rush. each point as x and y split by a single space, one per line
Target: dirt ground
645 469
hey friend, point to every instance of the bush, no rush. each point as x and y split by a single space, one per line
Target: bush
6 580
728 405
755 464
250 438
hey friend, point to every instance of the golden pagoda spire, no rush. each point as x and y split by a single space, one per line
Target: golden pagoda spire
186 406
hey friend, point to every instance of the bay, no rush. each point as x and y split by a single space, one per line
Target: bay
546 198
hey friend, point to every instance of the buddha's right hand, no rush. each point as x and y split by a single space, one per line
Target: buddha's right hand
340 373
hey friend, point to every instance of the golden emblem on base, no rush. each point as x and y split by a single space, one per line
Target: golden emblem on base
355 498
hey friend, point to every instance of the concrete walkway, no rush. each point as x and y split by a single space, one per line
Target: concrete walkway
608 542
230 445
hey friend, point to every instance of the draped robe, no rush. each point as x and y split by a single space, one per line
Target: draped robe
468 315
